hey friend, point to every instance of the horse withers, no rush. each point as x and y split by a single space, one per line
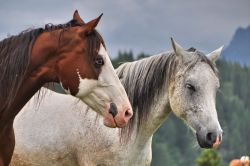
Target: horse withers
72 54
184 82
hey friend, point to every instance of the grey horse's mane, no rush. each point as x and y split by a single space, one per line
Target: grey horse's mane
145 79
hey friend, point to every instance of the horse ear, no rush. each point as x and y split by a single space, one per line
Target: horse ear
179 51
90 26
213 56
176 47
77 17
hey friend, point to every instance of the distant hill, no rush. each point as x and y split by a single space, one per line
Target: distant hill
239 48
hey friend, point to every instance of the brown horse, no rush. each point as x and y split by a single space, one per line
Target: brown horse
243 161
72 54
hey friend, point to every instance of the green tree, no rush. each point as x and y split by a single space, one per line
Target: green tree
122 58
142 55
208 157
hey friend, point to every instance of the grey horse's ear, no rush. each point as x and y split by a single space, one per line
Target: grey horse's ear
176 47
179 51
213 56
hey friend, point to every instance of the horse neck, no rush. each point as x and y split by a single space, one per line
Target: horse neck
160 107
38 72
44 56
42 66
141 142
159 112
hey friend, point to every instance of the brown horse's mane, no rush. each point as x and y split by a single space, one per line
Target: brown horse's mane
14 59
15 52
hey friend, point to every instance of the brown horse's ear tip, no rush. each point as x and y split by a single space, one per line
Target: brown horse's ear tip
172 39
100 16
76 14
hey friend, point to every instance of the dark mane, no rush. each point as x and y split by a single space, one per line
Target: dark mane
94 40
14 60
145 79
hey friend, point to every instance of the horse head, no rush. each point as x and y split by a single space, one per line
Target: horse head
84 70
192 93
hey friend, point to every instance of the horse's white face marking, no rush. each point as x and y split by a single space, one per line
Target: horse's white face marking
85 85
107 76
107 89
98 94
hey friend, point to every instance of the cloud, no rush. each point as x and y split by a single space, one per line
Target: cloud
139 25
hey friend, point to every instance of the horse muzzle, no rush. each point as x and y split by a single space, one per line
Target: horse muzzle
209 140
116 116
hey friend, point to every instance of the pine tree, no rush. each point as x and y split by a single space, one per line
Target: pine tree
208 157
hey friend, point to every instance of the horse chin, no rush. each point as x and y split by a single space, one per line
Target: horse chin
109 122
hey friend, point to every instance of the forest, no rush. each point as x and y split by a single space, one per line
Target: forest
174 144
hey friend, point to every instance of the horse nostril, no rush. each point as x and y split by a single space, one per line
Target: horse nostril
211 137
128 113
113 109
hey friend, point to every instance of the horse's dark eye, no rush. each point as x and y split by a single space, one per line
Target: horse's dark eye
99 62
190 87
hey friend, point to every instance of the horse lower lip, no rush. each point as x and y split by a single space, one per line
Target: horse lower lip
111 125
119 125
109 121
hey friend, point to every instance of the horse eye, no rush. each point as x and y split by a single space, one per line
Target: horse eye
99 62
190 87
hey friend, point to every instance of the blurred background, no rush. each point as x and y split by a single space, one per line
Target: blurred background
134 29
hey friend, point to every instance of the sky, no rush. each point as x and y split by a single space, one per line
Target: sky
137 25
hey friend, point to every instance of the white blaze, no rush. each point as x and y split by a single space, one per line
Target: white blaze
98 94
107 75
86 86
106 78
